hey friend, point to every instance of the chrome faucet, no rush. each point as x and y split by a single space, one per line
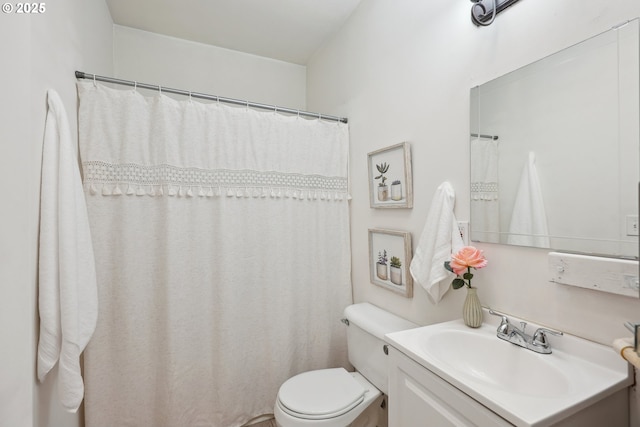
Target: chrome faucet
537 342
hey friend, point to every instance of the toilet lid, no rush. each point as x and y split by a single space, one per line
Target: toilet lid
321 394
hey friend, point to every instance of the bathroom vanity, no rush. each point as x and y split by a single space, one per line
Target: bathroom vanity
451 375
417 396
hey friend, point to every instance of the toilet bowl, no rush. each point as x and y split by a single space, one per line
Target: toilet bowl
327 397
338 398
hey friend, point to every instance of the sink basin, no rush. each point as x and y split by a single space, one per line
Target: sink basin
495 361
524 387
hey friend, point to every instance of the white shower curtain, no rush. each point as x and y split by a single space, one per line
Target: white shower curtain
221 238
485 202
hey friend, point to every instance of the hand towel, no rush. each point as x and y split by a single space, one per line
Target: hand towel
529 219
440 238
67 290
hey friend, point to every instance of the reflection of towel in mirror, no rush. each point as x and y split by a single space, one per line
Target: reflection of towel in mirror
440 237
67 299
529 219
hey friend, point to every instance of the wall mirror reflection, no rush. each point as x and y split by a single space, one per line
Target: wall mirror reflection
555 150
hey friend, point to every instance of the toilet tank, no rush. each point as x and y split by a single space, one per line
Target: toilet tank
365 340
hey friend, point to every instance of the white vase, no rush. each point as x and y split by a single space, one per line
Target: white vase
381 271
383 192
396 275
396 192
472 309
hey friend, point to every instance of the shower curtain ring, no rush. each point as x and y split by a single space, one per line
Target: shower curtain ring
94 81
135 86
160 89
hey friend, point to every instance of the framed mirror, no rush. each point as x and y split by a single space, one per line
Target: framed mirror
555 150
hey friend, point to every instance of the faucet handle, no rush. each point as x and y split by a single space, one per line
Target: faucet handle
505 326
540 336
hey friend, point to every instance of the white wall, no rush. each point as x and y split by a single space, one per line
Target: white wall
16 277
402 72
181 64
39 52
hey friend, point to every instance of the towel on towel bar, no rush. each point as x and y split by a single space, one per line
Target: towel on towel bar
440 238
67 291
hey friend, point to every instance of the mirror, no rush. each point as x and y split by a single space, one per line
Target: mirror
555 150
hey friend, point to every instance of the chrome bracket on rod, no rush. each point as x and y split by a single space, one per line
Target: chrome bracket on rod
634 327
483 12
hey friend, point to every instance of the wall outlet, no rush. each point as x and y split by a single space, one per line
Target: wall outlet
463 226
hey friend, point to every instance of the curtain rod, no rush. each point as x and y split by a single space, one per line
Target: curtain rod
494 137
94 77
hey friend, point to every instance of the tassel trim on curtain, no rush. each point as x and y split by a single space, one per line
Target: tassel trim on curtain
108 179
484 191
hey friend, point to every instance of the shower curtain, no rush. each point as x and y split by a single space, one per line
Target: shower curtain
221 239
485 202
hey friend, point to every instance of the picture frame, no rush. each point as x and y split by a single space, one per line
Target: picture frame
392 164
390 255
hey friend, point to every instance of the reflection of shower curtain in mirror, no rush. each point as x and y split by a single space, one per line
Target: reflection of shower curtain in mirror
485 204
221 240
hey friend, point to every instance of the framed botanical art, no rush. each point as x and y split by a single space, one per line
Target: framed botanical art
389 259
390 181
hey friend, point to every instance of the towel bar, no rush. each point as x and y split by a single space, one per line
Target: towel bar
633 327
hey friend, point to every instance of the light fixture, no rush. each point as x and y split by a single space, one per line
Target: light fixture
484 12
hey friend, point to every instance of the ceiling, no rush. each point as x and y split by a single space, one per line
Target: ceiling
287 30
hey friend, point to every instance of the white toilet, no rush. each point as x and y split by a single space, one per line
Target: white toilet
335 397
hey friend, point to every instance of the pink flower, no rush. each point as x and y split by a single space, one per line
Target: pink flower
467 257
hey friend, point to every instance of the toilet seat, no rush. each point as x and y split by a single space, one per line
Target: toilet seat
322 394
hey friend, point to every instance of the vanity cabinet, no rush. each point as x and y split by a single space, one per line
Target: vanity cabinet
419 398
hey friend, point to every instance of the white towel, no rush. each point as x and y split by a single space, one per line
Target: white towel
529 219
67 298
440 238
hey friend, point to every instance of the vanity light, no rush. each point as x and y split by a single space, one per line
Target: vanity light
484 12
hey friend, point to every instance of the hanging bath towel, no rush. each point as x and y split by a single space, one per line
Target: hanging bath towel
440 237
67 299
